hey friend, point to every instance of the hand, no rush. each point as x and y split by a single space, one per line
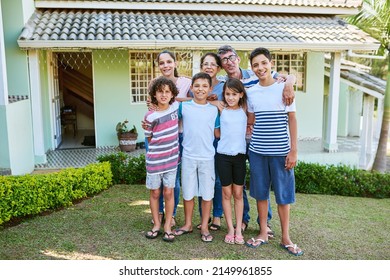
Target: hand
281 78
212 97
145 124
288 94
291 160
221 105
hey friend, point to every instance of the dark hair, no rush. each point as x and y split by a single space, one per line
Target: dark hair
171 54
226 48
237 86
158 85
260 51
216 57
201 75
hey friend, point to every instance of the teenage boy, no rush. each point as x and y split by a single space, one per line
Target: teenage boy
200 125
231 64
272 150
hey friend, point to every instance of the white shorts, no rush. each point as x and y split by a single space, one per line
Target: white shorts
153 181
197 178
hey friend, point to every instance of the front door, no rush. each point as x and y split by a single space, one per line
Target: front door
55 100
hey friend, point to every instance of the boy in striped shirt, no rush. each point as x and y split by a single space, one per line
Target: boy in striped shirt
163 153
272 150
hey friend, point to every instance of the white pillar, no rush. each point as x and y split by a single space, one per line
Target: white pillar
330 143
379 118
366 152
36 105
3 69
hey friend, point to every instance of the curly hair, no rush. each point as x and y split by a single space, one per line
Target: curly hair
158 85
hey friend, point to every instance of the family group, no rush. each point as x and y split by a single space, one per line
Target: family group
201 131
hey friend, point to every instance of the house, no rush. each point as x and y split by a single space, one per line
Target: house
98 57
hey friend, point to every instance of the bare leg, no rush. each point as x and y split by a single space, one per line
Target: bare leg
169 204
204 230
238 207
284 215
262 209
227 208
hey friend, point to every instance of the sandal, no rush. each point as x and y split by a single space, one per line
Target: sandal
152 234
239 240
270 233
298 251
168 237
206 237
229 239
215 226
198 226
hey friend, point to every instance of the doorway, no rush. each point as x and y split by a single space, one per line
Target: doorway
75 88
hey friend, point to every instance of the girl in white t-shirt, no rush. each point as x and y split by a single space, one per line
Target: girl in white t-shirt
231 156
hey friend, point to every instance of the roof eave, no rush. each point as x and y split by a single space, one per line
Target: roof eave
201 45
99 5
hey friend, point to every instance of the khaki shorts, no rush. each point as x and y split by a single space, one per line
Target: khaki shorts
197 178
153 181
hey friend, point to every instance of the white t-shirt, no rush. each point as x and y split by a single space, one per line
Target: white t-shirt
270 131
199 122
233 130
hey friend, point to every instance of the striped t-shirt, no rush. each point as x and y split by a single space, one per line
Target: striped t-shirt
163 147
270 131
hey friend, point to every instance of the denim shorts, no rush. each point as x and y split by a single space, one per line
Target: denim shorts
269 170
197 178
153 181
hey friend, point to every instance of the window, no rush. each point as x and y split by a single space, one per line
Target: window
292 63
144 68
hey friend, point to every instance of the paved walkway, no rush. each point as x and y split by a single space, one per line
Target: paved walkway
310 150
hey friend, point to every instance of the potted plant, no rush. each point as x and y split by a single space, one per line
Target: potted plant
127 137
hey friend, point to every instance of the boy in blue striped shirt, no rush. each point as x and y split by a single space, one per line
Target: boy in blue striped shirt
272 150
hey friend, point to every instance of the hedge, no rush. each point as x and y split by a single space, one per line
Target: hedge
341 180
310 178
126 169
32 194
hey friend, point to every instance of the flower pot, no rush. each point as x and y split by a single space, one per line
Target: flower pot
127 141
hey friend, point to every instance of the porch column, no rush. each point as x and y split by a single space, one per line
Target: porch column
36 107
3 69
196 62
379 118
330 143
366 155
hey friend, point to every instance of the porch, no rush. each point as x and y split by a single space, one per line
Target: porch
309 150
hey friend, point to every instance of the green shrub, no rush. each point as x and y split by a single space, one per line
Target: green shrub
32 194
125 168
340 180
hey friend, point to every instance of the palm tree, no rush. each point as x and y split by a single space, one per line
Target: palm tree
374 18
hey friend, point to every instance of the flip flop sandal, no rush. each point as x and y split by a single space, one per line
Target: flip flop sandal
294 246
180 231
239 240
153 235
229 239
215 227
261 242
168 237
205 237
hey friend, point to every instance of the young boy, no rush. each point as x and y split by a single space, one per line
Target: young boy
272 154
200 122
162 155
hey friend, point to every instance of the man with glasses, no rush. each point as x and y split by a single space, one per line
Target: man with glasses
231 64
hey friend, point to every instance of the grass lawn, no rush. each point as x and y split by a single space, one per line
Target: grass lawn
112 224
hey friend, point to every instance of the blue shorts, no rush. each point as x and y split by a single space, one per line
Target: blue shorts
269 170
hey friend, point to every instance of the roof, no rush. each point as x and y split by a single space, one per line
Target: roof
334 7
79 28
306 3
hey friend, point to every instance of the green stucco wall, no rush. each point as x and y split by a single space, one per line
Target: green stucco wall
310 103
20 138
16 59
112 98
4 144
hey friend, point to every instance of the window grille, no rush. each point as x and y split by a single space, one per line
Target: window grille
144 68
292 63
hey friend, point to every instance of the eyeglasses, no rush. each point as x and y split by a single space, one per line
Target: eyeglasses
213 65
232 58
